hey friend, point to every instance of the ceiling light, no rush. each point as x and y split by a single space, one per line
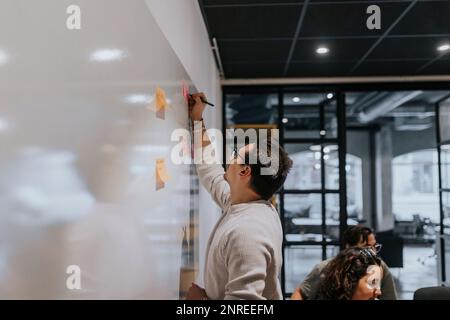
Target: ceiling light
105 55
296 99
444 47
322 50
3 57
285 120
330 96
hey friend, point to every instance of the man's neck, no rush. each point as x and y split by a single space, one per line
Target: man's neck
244 197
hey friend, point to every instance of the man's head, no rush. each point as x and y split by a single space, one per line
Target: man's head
248 172
359 236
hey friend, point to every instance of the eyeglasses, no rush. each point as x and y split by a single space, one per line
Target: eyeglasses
376 247
369 252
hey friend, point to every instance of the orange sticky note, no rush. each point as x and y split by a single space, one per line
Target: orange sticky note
185 91
160 103
162 175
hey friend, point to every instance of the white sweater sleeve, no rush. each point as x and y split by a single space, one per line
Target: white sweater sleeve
212 178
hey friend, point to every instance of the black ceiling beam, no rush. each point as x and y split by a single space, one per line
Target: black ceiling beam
360 61
296 34
390 36
334 61
275 4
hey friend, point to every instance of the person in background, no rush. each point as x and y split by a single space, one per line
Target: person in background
354 274
354 237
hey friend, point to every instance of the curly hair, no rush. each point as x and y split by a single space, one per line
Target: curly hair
341 275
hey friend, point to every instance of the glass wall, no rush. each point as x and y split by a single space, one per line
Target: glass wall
309 203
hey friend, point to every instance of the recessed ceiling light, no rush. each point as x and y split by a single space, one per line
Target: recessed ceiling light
330 95
3 57
138 99
285 120
296 99
322 50
105 55
444 47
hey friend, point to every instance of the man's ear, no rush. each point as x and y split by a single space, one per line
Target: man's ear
245 171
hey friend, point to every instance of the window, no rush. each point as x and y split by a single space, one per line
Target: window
415 185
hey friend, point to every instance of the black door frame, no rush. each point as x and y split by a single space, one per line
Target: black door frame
439 144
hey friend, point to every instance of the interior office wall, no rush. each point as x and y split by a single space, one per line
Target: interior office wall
182 24
80 139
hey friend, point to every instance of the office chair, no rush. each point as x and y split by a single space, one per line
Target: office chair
432 293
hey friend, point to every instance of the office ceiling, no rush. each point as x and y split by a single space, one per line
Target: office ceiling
270 38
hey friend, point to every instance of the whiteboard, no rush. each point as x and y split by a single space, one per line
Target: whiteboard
79 141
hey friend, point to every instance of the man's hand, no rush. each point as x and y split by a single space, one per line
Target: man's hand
196 106
196 293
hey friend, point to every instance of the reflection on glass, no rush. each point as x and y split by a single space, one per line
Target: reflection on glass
302 115
303 217
305 172
331 159
444 120
446 207
251 109
299 262
332 216
331 126
354 186
445 166
415 186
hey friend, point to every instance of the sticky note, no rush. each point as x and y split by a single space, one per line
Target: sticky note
161 103
185 91
162 176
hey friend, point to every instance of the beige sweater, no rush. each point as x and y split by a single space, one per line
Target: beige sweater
243 254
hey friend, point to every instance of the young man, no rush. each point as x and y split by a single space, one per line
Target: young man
356 236
244 251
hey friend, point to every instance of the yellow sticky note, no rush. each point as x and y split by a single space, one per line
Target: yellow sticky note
161 170
160 102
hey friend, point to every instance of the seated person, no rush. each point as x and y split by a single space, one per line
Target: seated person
355 236
354 274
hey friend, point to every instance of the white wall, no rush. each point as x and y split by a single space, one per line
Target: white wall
182 24
77 156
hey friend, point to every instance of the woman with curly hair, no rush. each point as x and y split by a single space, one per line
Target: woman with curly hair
354 274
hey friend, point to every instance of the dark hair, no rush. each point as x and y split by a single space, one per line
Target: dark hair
341 275
267 184
355 234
